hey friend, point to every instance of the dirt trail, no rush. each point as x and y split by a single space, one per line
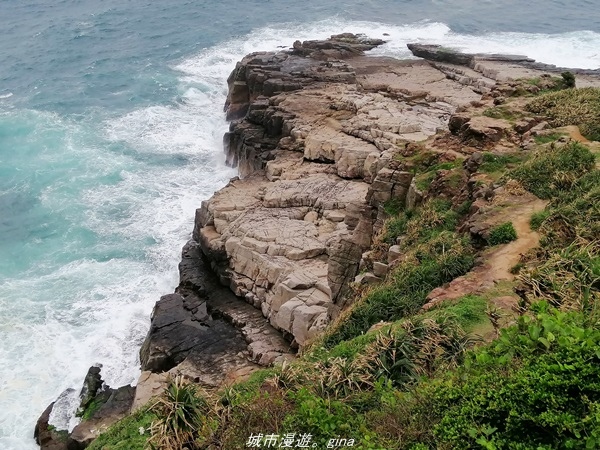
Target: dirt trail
575 134
497 260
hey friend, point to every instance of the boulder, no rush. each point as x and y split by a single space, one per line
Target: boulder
91 385
46 435
114 404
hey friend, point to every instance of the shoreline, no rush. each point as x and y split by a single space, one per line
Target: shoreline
335 233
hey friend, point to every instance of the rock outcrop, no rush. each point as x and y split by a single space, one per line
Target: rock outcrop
315 140
99 407
316 133
203 331
325 139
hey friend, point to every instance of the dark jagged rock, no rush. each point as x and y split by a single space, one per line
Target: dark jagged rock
339 46
441 54
92 383
111 406
204 331
46 436
100 407
268 74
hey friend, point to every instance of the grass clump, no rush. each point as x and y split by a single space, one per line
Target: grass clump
502 234
393 207
578 106
495 163
468 311
500 112
182 417
566 278
130 433
542 139
538 218
550 171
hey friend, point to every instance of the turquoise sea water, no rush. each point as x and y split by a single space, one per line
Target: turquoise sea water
110 136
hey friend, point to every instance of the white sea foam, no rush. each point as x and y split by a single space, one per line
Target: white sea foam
60 320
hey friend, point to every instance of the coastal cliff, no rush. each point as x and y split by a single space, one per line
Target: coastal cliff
330 144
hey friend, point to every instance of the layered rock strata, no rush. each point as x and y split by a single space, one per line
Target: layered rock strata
315 139
320 134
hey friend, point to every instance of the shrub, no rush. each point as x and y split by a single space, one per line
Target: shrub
568 79
502 234
181 415
536 387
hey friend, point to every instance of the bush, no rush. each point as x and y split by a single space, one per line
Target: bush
502 234
536 387
568 79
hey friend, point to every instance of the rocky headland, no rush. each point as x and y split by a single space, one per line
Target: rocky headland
326 139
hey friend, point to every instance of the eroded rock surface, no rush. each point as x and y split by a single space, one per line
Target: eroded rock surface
204 332
315 140
316 134
325 138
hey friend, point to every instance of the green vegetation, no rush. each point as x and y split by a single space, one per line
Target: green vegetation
500 112
535 387
542 139
578 106
517 268
391 376
551 84
393 207
425 164
435 256
502 234
551 171
130 433
538 218
495 163
182 417
92 407
61 435
568 79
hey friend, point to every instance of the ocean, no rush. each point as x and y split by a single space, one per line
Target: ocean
111 124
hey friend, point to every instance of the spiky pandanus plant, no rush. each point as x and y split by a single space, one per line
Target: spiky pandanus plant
182 417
